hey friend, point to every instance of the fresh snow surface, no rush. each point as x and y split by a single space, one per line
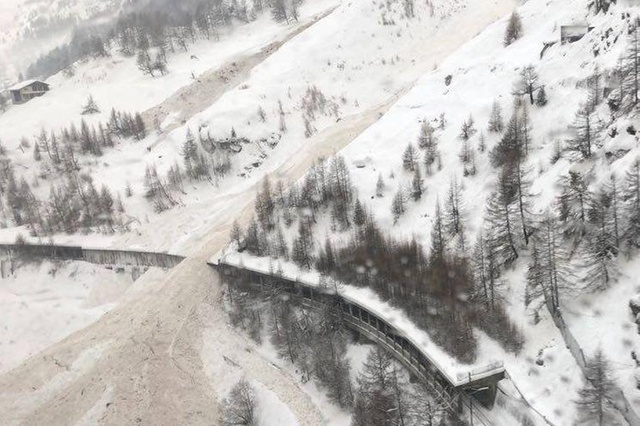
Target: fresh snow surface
116 82
348 54
112 81
271 410
41 304
483 71
368 69
53 20
604 321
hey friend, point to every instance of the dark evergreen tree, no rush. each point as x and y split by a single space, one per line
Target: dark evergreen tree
438 234
417 184
253 239
30 208
557 152
429 142
468 157
4 102
548 272
486 272
588 128
601 5
501 220
541 97
106 202
36 152
599 389
280 248
140 129
522 185
160 64
453 223
295 4
88 141
496 122
631 197
409 158
467 129
525 129
144 64
594 83
341 189
427 138
575 200
375 403
359 214
190 156
326 258
279 11
398 206
91 107
283 124
235 236
301 252
510 150
528 83
421 408
265 206
601 247
380 186
630 72
514 29
482 144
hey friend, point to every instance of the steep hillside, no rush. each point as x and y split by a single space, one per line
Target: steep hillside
29 29
565 147
327 95
44 303
167 352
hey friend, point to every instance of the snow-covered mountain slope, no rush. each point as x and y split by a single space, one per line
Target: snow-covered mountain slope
29 29
145 359
217 67
484 71
41 304
357 78
467 84
116 82
346 83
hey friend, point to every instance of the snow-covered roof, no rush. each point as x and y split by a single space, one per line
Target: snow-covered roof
24 84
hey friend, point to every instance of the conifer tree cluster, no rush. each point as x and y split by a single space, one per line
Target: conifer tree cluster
315 341
327 188
399 269
383 396
574 245
151 31
74 202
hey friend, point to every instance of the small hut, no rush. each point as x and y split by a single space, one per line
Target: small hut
573 33
27 90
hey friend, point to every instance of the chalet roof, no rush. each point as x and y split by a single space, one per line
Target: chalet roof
575 24
24 84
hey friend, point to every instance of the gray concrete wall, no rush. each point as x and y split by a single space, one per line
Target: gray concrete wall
97 256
